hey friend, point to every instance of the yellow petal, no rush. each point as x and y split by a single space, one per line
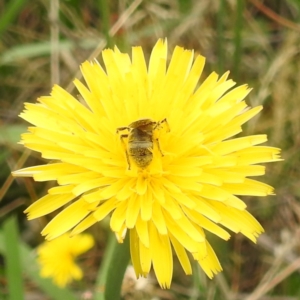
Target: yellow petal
249 187
142 231
182 255
67 219
133 209
210 264
48 204
118 217
135 253
146 206
84 224
161 254
158 219
145 258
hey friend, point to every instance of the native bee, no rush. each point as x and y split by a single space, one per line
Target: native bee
140 141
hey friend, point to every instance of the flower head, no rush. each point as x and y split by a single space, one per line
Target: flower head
57 257
153 149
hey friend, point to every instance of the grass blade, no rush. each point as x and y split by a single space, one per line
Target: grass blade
12 9
12 259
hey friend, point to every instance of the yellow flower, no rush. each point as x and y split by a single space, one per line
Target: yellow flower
167 178
57 257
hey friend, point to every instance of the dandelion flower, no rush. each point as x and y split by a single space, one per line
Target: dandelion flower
152 148
57 257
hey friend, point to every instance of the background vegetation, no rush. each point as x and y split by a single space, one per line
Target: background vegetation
44 42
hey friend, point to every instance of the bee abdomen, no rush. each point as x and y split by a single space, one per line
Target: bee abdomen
141 153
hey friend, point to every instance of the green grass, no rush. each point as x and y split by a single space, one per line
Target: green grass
240 36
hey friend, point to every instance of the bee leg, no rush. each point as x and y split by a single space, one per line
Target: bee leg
167 124
122 137
158 146
163 121
122 128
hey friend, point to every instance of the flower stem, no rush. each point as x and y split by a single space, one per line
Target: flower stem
112 270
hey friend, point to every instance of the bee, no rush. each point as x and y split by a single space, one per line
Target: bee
140 141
